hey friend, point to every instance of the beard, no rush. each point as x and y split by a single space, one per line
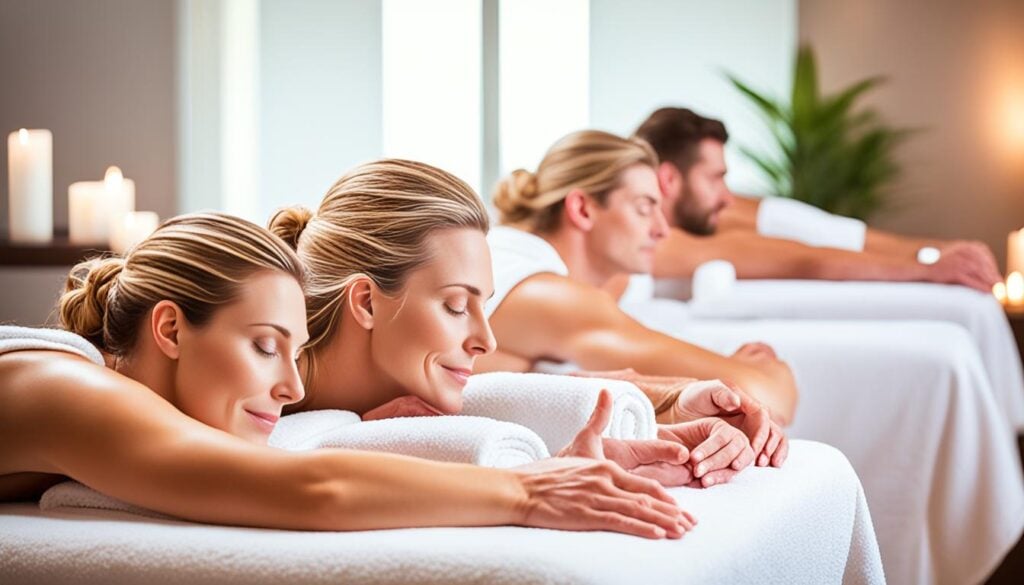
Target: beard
699 222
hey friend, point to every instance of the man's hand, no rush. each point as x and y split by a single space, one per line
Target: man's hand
967 263
718 451
664 461
402 406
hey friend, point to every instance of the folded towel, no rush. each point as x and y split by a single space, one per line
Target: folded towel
556 407
779 217
14 338
72 494
458 439
713 280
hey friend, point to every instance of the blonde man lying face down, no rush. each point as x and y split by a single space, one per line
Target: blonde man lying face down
709 222
398 275
203 324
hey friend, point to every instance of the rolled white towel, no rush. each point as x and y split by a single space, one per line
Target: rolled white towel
72 494
457 439
779 217
13 338
304 430
713 280
556 407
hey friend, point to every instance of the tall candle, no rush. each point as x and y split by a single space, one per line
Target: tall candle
30 182
131 229
94 207
1015 252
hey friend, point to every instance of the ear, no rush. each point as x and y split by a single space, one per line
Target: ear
579 210
360 300
165 323
669 179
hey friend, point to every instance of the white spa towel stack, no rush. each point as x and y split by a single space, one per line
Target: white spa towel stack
13 338
458 439
779 217
557 407
73 495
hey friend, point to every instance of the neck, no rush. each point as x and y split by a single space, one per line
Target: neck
149 366
571 245
345 377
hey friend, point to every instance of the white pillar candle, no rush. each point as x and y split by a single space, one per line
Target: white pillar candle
1015 252
94 207
1015 289
30 182
132 228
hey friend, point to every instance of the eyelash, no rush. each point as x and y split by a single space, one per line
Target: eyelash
454 312
263 352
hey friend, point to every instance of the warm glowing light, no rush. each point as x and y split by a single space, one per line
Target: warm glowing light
1015 288
113 176
23 136
999 290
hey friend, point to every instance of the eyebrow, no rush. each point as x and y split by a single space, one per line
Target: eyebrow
282 330
472 289
647 196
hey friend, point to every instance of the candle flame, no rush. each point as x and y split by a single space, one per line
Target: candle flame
999 290
1015 287
113 174
23 136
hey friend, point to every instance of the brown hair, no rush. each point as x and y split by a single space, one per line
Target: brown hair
374 221
675 134
199 261
590 160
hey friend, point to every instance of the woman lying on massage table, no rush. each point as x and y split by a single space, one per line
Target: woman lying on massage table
202 324
398 270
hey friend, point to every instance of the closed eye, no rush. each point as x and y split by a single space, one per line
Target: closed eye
456 312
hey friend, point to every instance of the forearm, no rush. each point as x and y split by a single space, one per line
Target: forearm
890 244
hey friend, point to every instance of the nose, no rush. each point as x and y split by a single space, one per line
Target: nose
289 389
728 198
481 338
659 227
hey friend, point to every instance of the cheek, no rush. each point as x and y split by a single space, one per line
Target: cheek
211 380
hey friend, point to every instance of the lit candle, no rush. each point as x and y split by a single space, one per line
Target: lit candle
1015 251
132 228
1015 289
999 290
30 182
94 207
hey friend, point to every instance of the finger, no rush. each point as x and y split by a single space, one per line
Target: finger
666 474
758 419
744 459
724 457
718 477
773 441
615 522
716 440
602 414
638 485
689 519
725 398
780 454
639 508
653 451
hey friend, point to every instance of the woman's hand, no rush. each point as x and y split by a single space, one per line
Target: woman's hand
705 398
402 406
572 493
718 451
663 461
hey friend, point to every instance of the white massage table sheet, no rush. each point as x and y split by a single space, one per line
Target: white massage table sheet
979 313
908 403
806 523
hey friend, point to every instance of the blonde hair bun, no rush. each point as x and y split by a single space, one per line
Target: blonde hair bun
289 223
87 295
515 194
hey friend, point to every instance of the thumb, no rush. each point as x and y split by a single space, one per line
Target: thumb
725 398
601 416
657 451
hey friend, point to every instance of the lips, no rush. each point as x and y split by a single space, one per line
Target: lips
264 420
461 375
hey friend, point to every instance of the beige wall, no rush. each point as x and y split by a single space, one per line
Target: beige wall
100 74
955 69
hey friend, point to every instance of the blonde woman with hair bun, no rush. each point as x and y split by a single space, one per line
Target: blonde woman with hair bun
202 325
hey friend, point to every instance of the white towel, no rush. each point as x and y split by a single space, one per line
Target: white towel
304 430
804 523
458 439
14 338
713 280
779 217
71 494
556 407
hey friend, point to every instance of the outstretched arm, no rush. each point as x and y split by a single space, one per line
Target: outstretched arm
66 416
755 256
552 317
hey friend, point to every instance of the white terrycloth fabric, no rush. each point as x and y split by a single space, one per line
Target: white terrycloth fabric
72 494
459 439
979 313
557 407
779 217
14 338
806 523
306 430
515 256
909 403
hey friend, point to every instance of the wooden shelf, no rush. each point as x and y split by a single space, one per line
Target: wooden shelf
59 252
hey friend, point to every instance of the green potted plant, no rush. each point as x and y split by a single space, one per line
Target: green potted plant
830 153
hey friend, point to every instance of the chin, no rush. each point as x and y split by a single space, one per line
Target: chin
449 402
